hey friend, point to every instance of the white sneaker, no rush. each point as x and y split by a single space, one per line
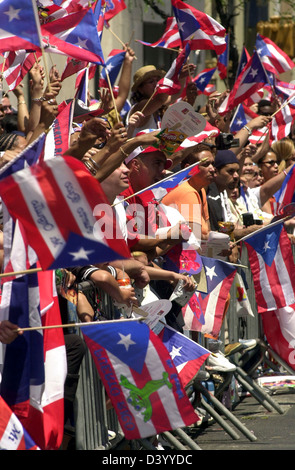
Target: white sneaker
248 343
218 362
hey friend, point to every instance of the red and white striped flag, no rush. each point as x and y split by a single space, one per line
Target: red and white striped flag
16 65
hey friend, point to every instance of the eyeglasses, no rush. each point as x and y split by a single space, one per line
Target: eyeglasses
270 163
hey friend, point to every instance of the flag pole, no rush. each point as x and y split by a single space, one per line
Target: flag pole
272 224
122 43
68 325
40 40
162 181
16 273
148 101
112 94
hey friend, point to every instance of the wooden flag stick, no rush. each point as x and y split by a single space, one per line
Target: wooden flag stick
148 101
68 325
16 273
273 224
162 181
121 42
112 94
164 48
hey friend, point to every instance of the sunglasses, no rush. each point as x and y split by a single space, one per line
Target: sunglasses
270 163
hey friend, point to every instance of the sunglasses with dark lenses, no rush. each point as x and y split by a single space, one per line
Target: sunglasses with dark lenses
270 163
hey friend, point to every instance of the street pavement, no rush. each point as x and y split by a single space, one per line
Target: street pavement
273 431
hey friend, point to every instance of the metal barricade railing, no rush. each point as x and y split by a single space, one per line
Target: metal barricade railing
93 420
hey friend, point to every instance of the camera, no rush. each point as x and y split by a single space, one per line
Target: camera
249 220
225 141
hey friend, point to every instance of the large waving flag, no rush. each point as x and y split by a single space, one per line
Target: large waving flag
272 266
187 355
170 38
74 35
250 80
112 67
33 386
13 436
140 378
204 31
273 58
212 303
56 202
19 29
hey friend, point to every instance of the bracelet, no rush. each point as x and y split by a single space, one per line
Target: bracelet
21 102
126 155
285 173
90 167
94 163
37 100
247 129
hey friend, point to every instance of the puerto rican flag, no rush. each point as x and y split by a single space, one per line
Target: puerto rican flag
272 266
222 60
242 116
56 203
278 328
249 81
203 78
286 194
187 355
19 29
209 131
74 35
170 83
282 122
33 386
112 67
211 304
244 59
171 37
273 58
16 65
140 378
204 31
13 436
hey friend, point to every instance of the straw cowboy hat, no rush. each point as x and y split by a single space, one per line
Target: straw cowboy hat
144 73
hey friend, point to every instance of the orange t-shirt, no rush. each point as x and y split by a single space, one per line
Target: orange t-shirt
191 203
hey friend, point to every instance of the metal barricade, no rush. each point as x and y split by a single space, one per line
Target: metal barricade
93 420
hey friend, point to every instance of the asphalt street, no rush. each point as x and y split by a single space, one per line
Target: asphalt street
271 430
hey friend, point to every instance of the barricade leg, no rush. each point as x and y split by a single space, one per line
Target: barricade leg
256 391
217 404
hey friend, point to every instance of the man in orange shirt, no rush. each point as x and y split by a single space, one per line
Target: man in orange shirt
190 197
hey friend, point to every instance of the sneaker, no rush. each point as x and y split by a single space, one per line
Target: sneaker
248 343
218 362
232 348
111 435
